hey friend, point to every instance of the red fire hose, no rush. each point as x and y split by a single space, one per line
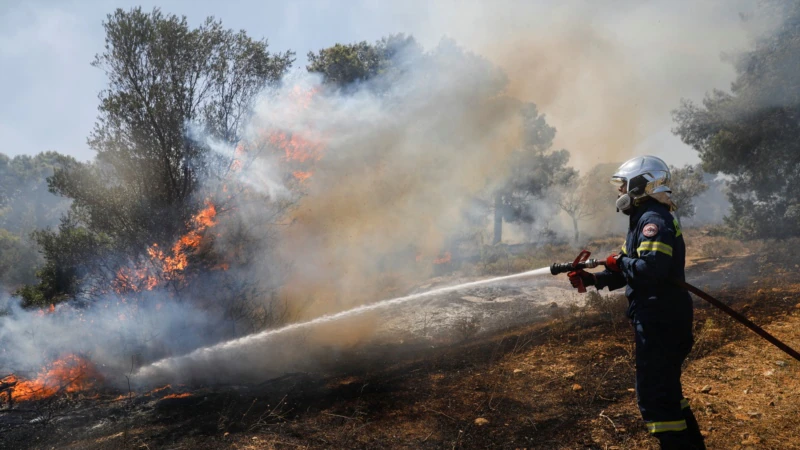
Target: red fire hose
739 318
583 262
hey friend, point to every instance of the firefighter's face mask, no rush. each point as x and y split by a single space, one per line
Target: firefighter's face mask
624 201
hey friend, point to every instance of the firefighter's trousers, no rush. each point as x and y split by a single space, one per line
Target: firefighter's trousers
661 348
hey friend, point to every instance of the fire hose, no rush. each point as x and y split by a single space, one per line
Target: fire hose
583 262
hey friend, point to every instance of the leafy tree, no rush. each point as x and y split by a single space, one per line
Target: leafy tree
27 205
752 133
713 204
166 81
533 169
23 186
68 253
347 64
687 183
18 260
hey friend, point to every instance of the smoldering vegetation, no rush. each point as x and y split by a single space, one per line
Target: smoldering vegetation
392 166
319 190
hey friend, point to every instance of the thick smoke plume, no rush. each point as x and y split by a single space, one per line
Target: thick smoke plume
378 178
350 196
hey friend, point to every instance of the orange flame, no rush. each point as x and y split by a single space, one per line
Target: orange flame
69 374
302 175
50 310
183 395
299 150
157 390
444 259
166 266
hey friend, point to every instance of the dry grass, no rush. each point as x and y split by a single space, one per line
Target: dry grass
564 383
719 247
504 260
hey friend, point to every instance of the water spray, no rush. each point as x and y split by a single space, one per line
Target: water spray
583 262
165 365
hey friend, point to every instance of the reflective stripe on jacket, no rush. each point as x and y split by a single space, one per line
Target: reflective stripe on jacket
654 251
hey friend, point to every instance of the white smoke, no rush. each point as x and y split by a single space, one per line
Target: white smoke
397 171
114 334
390 167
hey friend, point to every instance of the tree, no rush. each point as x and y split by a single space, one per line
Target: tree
687 183
577 199
27 203
167 83
533 169
752 133
18 260
346 64
66 252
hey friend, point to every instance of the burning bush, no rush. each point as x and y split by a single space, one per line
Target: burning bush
71 373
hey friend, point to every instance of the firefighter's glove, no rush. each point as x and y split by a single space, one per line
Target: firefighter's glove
612 262
578 276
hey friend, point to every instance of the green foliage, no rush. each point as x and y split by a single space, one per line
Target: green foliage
533 169
753 132
165 80
26 205
687 183
167 83
18 260
26 202
345 64
67 252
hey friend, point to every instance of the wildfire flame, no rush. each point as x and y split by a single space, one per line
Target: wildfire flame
167 265
157 390
446 258
300 150
50 310
182 395
71 373
296 147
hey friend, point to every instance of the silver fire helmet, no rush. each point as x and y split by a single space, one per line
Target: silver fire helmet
643 176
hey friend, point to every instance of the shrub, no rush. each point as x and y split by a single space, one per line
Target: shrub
610 307
719 247
466 327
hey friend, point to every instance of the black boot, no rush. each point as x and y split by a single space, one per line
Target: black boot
676 440
693 428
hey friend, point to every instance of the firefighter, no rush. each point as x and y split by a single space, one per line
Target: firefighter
660 312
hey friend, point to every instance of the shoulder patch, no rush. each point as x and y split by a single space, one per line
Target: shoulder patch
650 230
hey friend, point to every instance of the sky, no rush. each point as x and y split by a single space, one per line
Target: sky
606 73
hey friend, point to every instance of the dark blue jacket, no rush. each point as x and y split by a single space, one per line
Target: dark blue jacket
653 252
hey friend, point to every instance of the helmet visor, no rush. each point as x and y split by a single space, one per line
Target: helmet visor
618 181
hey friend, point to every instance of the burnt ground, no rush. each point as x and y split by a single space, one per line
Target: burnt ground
561 378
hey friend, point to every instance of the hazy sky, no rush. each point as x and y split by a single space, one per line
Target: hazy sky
607 73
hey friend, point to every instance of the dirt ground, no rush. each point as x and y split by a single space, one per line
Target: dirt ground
560 379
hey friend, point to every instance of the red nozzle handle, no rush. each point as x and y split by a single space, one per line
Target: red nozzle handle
581 287
582 257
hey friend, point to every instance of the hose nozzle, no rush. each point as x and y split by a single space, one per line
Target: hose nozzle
558 268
